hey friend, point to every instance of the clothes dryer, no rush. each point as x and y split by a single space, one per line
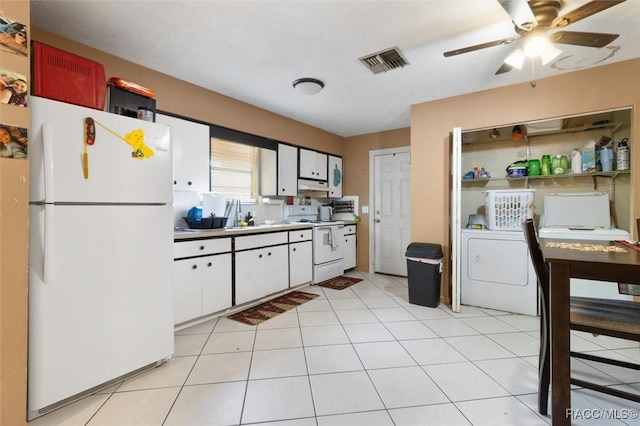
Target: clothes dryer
582 216
496 271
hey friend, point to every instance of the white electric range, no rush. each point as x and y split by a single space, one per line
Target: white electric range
328 247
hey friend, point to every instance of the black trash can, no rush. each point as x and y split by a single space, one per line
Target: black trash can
424 269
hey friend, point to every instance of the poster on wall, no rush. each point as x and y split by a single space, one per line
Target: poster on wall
13 36
13 88
13 141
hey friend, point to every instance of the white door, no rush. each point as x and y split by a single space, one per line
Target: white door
99 296
456 181
391 210
216 283
300 263
56 145
191 148
287 170
335 177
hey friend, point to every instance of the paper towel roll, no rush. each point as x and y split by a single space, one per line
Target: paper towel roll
213 203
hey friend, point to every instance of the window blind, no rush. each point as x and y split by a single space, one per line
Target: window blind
234 169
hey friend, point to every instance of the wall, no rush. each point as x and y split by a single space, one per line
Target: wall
602 88
356 180
14 203
183 98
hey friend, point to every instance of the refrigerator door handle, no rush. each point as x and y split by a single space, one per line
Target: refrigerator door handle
47 154
48 261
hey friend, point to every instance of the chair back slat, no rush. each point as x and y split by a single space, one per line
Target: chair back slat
539 265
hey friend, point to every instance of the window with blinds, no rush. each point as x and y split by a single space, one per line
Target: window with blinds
234 169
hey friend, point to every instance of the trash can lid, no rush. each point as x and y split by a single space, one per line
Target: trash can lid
424 251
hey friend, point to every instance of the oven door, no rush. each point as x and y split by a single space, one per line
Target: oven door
328 243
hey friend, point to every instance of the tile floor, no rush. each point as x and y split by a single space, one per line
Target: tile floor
360 356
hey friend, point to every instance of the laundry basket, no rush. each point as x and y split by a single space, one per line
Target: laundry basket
507 209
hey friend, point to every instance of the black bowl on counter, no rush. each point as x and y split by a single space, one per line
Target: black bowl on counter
213 222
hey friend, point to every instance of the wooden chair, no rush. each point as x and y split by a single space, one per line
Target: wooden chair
615 318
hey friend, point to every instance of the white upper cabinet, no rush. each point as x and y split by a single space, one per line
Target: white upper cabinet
191 150
313 165
335 177
287 170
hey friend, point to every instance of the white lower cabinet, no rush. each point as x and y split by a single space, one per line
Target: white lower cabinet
201 278
262 266
300 263
260 272
350 249
216 283
187 289
300 257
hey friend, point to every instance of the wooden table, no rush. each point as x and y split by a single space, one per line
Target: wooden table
564 264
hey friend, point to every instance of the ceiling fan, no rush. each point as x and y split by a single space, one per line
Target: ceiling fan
533 19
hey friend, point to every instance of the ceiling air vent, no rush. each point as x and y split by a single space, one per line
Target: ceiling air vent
384 60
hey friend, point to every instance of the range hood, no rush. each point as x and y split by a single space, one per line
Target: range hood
312 185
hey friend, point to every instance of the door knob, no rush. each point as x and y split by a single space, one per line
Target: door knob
377 220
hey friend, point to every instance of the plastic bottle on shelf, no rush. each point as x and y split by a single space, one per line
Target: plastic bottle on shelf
545 165
556 168
576 161
622 155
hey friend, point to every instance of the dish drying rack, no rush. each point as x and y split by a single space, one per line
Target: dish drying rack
342 206
345 208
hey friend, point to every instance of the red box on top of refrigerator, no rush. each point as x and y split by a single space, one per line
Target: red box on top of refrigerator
66 77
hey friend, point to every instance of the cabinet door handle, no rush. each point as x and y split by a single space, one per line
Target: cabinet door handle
269 254
194 267
175 182
201 247
189 183
260 256
209 264
294 249
301 235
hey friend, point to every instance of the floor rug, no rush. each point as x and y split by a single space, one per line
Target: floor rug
272 308
340 283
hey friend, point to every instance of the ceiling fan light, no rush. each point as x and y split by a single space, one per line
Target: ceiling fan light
515 59
536 44
549 54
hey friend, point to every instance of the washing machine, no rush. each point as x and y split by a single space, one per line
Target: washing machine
582 216
497 272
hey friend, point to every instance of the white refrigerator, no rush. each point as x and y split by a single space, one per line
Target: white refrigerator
100 252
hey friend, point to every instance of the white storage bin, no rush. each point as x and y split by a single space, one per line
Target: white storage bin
507 209
544 126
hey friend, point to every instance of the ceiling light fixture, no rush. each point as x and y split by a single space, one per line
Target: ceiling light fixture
308 86
515 59
549 54
535 45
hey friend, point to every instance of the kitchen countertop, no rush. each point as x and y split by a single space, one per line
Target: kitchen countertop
237 231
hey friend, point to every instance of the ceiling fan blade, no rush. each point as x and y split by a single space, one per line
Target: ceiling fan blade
583 39
583 11
504 68
479 46
520 13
